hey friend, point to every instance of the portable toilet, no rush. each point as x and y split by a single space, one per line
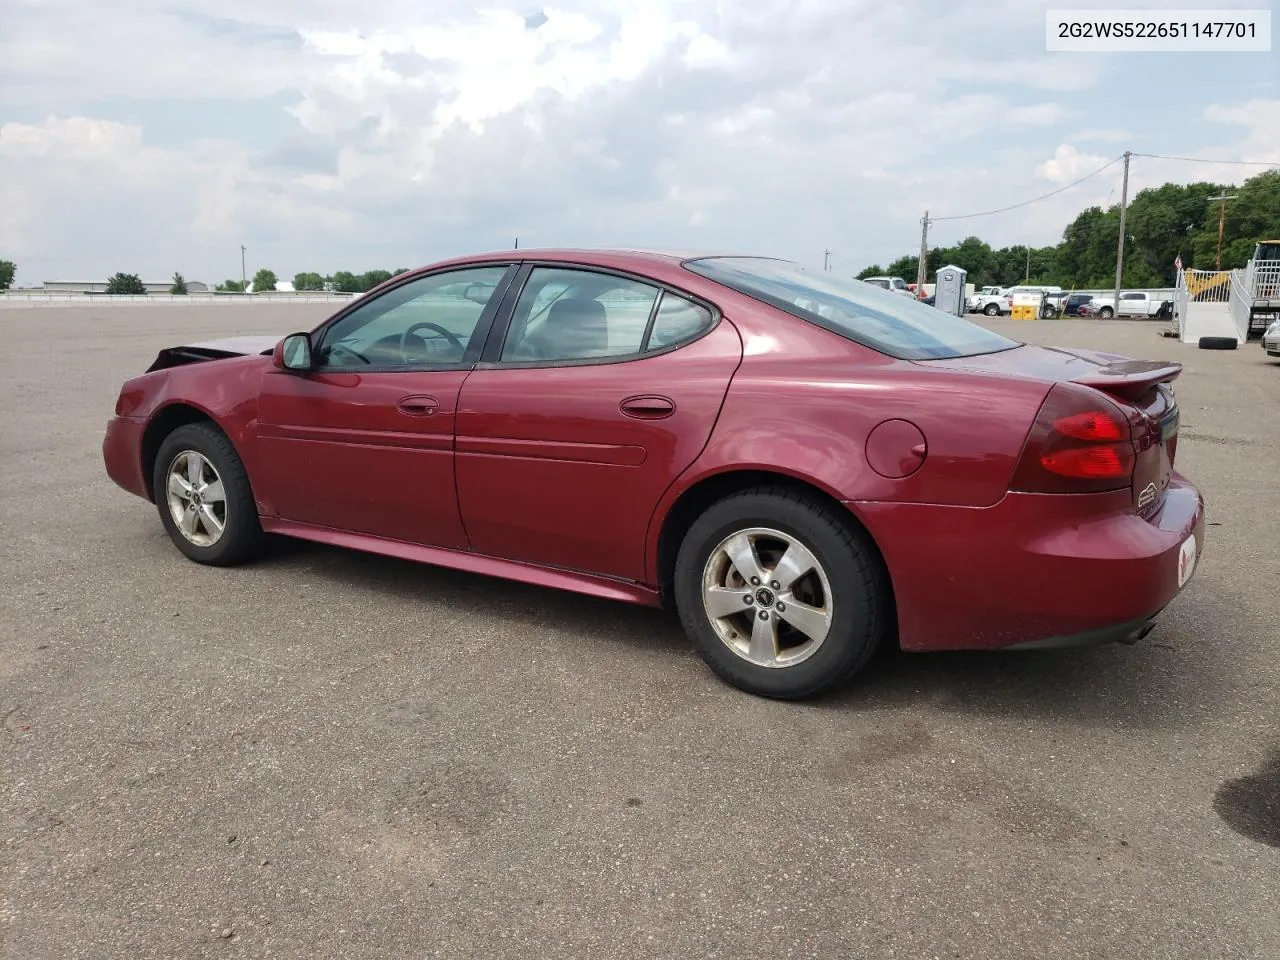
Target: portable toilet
948 293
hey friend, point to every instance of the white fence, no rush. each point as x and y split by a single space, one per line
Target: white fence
35 299
1241 303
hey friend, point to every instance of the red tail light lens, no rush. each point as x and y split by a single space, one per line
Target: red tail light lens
1081 442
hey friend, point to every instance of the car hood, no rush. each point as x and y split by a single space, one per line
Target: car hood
204 350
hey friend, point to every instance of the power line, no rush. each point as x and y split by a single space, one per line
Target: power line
1247 163
1045 196
1090 176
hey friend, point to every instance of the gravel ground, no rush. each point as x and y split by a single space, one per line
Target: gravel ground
330 754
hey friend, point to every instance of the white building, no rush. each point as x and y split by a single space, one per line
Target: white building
100 286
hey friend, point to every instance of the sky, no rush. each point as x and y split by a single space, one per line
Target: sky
153 136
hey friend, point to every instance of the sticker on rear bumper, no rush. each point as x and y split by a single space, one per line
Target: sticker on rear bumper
1186 559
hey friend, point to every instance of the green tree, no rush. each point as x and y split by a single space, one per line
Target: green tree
346 282
179 287
7 269
372 278
875 270
904 267
230 286
1254 215
1161 224
308 281
264 281
125 283
974 256
399 270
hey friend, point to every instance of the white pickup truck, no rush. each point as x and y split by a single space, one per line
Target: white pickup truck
989 300
892 284
1131 305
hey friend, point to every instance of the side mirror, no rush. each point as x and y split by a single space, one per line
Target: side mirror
293 352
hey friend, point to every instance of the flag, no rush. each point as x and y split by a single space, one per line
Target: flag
1177 264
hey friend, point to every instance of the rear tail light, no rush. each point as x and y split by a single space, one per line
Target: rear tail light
1081 442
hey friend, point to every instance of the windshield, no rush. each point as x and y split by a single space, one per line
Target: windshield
887 322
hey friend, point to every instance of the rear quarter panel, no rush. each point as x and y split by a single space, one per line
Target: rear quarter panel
809 416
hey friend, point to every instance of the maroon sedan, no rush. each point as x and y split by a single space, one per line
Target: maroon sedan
804 466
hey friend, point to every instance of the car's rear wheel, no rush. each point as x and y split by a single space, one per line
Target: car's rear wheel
202 493
1106 313
779 594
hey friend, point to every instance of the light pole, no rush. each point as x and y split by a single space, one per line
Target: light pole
243 283
1222 223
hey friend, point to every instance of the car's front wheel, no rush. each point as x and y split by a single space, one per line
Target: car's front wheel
991 310
204 498
779 594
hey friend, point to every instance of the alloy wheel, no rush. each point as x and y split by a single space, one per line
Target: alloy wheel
767 597
197 500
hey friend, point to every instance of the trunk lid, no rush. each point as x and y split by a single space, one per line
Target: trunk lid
1140 388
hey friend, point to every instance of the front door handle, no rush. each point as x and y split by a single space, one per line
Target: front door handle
421 406
647 408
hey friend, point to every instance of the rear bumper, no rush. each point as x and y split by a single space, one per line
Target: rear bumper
1034 570
122 454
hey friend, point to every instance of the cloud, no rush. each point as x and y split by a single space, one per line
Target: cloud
1101 135
782 127
1069 164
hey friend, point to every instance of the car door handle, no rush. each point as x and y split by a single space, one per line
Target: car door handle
647 408
418 406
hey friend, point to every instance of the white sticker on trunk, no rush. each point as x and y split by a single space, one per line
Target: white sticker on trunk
1186 559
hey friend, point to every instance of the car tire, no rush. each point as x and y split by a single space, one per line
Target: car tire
991 310
1106 313
204 449
847 586
1217 343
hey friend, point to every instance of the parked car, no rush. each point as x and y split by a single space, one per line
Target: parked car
1073 303
893 284
803 466
1271 340
1132 305
990 301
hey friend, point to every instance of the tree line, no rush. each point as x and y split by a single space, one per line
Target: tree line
343 281
1161 224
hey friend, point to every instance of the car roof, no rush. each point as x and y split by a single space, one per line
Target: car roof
617 257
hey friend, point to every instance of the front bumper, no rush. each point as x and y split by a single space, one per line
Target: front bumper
1034 569
122 454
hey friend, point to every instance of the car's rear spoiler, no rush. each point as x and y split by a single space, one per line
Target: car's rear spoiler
1130 379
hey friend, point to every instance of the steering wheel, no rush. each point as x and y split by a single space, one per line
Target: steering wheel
427 324
347 350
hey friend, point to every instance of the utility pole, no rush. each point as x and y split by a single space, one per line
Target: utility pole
1027 278
1222 222
922 268
517 243
826 260
1124 203
243 282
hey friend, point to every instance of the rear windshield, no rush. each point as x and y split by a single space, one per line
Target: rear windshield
899 326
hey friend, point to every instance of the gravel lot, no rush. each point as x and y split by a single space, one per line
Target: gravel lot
330 754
